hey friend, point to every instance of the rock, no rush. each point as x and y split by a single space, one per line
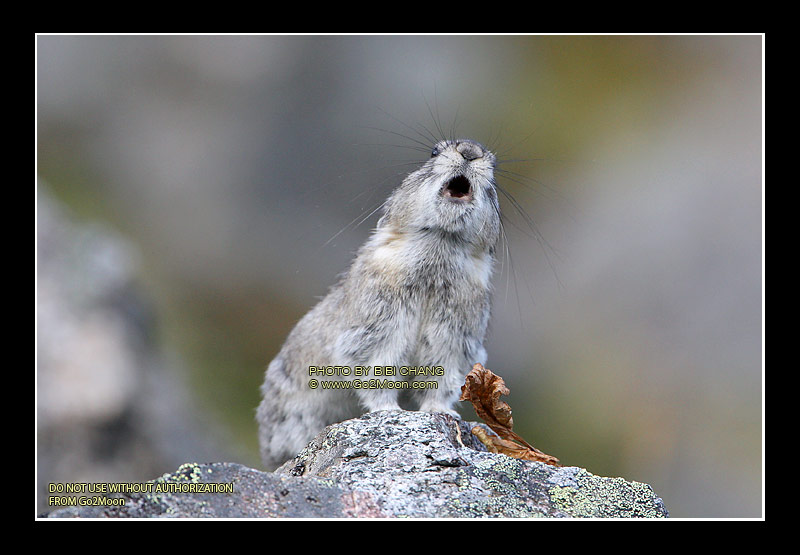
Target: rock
255 494
389 464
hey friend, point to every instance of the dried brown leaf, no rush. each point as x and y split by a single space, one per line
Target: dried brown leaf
499 445
483 389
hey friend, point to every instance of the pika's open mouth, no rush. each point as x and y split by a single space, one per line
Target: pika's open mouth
458 189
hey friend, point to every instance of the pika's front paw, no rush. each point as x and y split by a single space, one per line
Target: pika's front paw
387 406
434 408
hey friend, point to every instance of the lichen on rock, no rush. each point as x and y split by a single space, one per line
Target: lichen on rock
398 464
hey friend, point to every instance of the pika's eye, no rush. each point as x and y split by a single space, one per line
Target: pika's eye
435 152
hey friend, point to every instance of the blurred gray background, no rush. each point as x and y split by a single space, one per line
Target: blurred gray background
628 320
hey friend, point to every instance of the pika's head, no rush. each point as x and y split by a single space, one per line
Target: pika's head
454 192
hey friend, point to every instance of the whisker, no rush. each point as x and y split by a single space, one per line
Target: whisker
535 233
362 220
423 144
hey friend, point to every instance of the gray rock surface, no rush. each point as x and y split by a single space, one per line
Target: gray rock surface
388 464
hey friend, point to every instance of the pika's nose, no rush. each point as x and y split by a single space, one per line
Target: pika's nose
470 150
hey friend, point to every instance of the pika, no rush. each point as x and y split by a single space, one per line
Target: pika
417 294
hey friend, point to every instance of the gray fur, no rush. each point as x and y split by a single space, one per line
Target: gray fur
417 294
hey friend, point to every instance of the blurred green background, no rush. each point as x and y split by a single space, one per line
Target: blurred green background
628 325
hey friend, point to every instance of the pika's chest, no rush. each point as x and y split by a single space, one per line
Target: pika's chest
431 261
